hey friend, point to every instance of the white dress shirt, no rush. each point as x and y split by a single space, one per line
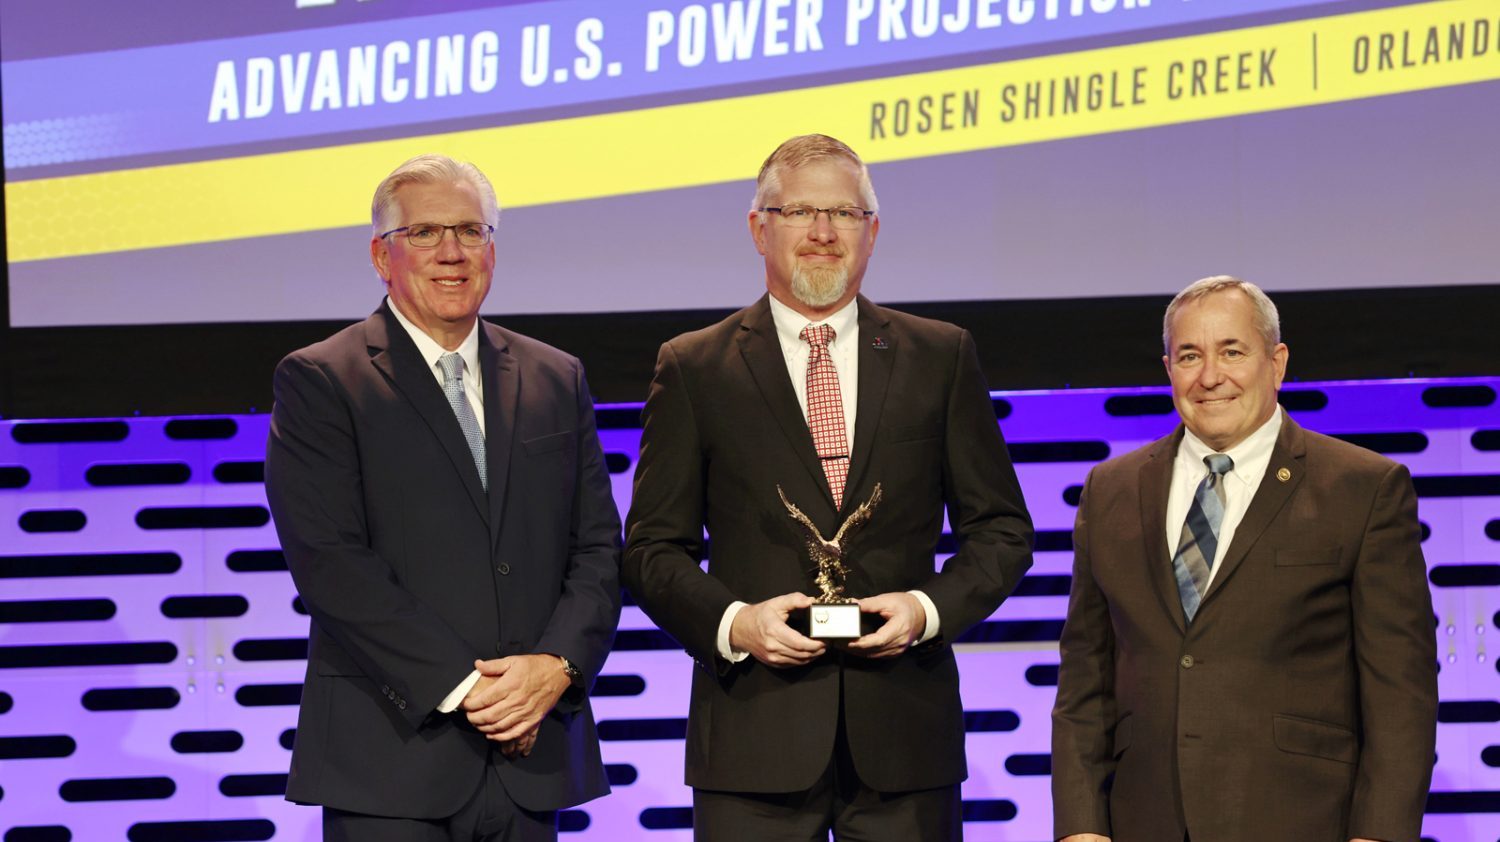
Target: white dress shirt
474 390
844 351
1251 458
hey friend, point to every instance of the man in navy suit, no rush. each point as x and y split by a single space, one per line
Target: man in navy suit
442 500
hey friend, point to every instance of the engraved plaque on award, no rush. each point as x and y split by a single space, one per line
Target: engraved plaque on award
833 616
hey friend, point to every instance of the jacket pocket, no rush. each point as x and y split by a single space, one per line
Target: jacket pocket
549 442
1295 735
917 432
1308 556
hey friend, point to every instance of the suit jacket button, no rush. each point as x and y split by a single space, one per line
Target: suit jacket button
401 704
1187 662
504 569
499 649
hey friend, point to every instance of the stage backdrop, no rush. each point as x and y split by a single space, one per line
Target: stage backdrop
152 647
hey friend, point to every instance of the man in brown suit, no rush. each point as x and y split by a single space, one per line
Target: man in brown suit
1249 651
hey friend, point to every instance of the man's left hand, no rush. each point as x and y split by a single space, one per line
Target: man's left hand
904 623
522 689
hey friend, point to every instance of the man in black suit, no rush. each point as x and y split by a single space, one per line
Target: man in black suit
441 497
788 736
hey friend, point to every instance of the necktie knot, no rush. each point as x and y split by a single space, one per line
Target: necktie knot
1219 463
453 367
818 335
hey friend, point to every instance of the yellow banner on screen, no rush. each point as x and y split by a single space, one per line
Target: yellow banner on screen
1158 83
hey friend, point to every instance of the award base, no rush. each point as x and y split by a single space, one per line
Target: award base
833 622
802 621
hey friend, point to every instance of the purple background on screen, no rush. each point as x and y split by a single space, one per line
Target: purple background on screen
1350 195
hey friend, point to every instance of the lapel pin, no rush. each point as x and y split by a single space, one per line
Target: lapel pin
1283 474
879 343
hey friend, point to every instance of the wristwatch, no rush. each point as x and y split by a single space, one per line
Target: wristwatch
575 675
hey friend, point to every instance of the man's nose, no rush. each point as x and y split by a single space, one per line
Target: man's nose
449 250
1212 374
822 229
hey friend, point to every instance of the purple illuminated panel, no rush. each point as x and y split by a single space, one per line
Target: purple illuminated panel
184 713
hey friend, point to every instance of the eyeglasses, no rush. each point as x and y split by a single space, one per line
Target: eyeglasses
427 235
846 218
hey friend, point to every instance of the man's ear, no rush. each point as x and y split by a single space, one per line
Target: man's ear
1279 356
380 258
758 230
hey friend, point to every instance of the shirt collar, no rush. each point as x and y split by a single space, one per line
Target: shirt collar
431 350
1250 456
789 323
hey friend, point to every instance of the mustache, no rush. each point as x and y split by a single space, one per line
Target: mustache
834 252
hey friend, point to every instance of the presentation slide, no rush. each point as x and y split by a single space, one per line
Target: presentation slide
176 162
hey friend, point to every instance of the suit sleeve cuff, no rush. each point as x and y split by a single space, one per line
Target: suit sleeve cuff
725 623
450 702
930 610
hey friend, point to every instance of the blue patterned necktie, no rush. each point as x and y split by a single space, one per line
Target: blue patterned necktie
453 388
1200 534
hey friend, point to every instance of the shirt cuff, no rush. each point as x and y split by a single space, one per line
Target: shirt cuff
932 617
725 623
450 702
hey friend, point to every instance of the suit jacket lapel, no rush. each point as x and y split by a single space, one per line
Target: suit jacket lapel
1288 454
396 356
762 353
875 366
502 390
1155 484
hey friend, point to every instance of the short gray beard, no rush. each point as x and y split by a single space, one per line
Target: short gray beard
819 286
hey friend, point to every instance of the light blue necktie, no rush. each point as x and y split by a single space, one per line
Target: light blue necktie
453 388
1200 534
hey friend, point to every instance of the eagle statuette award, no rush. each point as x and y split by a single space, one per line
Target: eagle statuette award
833 615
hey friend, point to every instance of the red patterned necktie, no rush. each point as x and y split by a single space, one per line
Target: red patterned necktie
825 410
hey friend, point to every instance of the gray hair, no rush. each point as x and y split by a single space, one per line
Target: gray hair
1267 320
801 151
430 169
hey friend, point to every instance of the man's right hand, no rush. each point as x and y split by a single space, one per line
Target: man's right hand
521 745
761 630
1084 837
